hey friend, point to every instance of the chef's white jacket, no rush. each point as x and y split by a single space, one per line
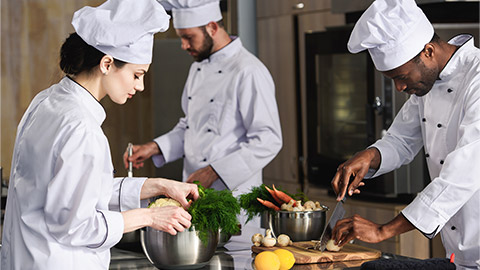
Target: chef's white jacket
62 191
231 120
446 122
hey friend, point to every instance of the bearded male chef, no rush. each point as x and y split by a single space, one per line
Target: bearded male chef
231 128
442 115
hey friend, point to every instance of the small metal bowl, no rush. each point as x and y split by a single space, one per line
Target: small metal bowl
298 225
223 237
182 251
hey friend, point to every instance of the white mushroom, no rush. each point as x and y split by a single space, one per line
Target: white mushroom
309 205
268 240
298 206
289 206
257 239
283 240
331 246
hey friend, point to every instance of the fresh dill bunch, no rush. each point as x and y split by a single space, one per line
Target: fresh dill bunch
249 202
214 210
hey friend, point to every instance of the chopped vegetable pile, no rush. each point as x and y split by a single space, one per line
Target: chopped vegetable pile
264 199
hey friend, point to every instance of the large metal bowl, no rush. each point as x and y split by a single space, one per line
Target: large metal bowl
299 226
182 251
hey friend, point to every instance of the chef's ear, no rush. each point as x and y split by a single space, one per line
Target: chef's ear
106 64
429 50
212 28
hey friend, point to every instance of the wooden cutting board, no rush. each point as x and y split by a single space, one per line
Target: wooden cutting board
304 255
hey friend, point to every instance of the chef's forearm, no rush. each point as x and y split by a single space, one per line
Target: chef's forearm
136 219
376 157
152 187
396 226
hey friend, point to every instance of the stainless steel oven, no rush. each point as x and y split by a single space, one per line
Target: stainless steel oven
350 105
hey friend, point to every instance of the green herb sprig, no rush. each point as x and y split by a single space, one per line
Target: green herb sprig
248 201
214 210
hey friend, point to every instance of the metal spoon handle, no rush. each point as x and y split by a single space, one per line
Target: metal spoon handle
130 165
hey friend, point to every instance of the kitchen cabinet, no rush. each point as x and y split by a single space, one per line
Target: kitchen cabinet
411 244
281 29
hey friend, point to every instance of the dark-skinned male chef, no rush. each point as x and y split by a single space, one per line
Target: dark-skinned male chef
442 115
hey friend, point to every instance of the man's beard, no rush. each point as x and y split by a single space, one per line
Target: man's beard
206 49
429 76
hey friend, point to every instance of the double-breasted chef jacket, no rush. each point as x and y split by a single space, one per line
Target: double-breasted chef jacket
63 202
231 120
446 122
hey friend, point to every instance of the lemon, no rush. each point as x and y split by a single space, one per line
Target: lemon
267 260
287 260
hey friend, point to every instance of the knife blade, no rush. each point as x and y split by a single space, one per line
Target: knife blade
337 214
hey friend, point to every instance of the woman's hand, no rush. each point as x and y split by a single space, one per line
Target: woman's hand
180 191
170 219
176 190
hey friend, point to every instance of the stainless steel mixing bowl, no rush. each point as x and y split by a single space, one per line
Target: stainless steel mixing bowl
299 226
182 251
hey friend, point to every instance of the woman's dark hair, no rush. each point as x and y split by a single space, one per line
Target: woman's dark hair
77 56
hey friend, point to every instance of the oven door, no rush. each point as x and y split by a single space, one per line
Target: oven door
340 120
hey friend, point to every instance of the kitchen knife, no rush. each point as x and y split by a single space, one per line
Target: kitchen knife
130 152
337 214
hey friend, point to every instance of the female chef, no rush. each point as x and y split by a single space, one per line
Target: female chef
65 210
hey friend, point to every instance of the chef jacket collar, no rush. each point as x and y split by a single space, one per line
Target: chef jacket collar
87 99
465 42
226 52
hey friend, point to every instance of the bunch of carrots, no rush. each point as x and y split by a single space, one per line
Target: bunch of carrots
279 196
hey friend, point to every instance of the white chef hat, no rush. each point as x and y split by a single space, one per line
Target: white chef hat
393 31
193 13
123 29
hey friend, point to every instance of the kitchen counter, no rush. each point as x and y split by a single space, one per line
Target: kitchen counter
236 254
224 259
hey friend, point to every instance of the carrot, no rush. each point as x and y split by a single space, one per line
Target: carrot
274 195
268 204
283 196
